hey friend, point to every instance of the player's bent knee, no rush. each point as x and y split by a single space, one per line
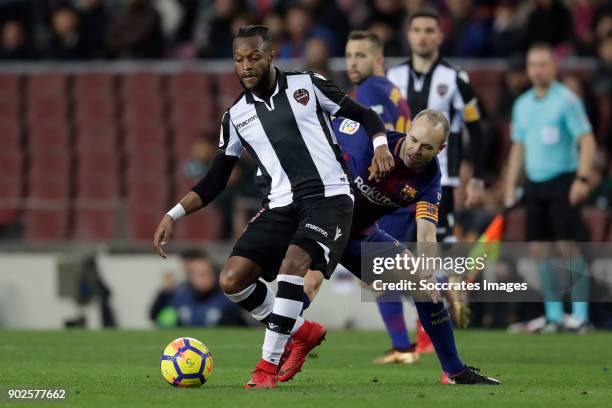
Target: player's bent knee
231 281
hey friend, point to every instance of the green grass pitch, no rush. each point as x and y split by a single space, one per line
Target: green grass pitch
121 369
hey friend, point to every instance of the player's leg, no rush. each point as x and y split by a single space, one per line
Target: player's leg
312 283
541 253
399 225
579 285
285 318
295 356
436 322
240 282
257 253
568 229
314 279
323 235
580 294
352 260
539 232
392 313
433 316
263 250
402 350
445 233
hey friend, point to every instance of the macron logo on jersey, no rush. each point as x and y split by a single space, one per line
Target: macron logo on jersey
246 122
373 194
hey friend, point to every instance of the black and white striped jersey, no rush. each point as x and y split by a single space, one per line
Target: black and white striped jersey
290 137
445 89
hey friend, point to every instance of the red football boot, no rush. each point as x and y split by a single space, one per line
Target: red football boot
309 336
265 375
423 341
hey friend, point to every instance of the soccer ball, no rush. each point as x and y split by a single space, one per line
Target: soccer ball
186 362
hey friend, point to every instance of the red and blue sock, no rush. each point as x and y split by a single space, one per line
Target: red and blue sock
392 314
437 323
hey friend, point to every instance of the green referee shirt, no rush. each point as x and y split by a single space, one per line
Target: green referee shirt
549 128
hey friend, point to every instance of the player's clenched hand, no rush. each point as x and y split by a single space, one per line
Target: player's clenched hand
164 232
382 163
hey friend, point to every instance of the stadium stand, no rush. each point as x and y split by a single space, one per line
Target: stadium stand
99 155
12 157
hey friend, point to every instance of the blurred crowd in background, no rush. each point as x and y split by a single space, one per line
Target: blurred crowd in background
311 32
128 29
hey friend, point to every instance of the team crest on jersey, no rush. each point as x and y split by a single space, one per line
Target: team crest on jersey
302 96
350 127
442 89
408 193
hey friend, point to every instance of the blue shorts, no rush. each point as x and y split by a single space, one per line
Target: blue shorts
401 224
353 254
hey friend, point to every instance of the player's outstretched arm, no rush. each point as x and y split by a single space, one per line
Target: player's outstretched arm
459 305
200 195
426 239
426 231
382 161
190 203
337 103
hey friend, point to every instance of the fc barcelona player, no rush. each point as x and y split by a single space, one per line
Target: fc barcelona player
415 179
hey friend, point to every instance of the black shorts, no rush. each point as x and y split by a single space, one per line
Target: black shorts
319 225
550 216
446 215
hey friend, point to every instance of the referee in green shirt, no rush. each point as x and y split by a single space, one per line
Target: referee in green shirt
553 143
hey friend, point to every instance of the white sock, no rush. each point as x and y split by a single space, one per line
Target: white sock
257 299
285 318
